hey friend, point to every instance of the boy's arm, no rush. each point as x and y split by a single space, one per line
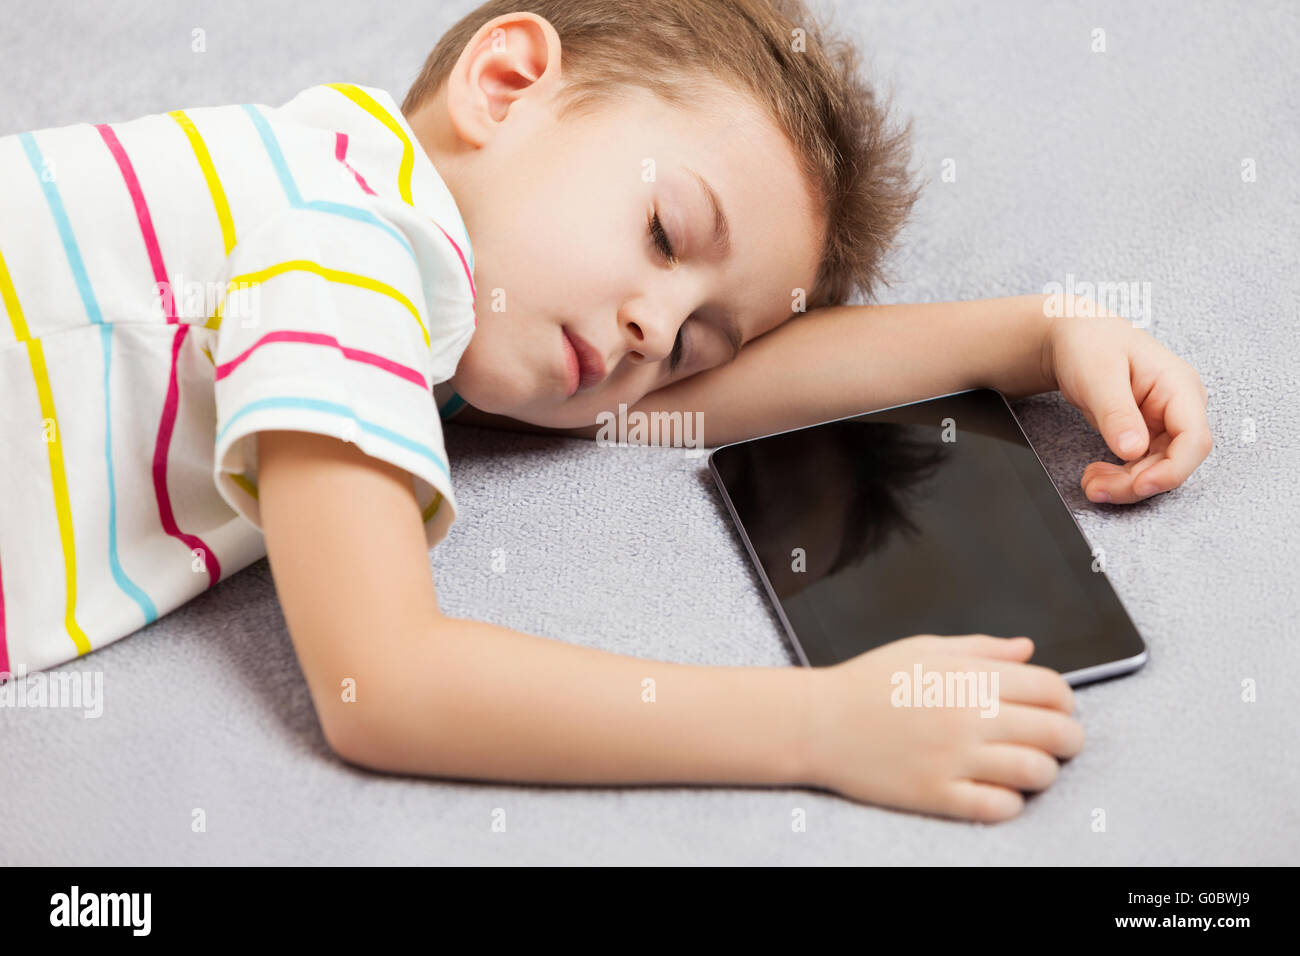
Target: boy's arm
438 695
835 362
1147 403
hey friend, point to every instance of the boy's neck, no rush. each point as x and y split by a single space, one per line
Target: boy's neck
441 145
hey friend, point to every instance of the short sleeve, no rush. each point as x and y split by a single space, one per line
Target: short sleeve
324 328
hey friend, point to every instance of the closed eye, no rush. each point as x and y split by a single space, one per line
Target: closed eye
665 247
675 359
660 238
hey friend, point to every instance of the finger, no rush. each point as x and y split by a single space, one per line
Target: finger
985 802
1013 765
1050 731
1108 395
1033 685
1017 682
1185 420
1104 482
996 683
1156 448
985 645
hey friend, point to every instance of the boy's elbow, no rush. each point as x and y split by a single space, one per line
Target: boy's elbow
384 714
356 720
351 741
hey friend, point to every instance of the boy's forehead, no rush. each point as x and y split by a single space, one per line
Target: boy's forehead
714 114
725 144
774 242
774 236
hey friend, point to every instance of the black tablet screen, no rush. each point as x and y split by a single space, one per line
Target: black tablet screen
930 518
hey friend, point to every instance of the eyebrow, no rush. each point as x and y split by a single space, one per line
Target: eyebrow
728 321
721 227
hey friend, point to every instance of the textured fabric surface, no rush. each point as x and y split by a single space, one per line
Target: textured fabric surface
1117 166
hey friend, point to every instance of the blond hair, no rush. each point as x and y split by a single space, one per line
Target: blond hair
854 159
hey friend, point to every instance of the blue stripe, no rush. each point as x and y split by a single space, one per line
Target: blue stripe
452 406
295 198
119 575
65 228
70 249
333 408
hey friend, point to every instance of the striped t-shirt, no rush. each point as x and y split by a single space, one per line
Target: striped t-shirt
170 286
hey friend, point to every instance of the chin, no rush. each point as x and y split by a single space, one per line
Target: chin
544 415
492 391
579 412
555 416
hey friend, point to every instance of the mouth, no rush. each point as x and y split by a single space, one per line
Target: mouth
583 364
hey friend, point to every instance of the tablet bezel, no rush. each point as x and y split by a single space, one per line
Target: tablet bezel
1102 669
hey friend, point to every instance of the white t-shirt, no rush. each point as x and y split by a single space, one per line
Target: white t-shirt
170 286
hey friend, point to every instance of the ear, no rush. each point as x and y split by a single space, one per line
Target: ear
512 56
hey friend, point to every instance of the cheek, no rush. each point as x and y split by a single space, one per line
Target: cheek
557 268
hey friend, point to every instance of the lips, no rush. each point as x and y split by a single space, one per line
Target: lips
591 367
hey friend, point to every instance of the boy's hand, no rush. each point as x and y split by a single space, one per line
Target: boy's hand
947 760
1147 403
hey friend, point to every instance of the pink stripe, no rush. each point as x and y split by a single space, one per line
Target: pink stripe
168 421
165 426
468 274
141 213
4 647
320 338
341 152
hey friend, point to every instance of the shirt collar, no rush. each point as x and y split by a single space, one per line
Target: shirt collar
428 191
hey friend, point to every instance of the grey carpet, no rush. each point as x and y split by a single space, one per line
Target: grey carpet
1122 166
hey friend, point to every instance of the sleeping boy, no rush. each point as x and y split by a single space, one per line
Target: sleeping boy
574 209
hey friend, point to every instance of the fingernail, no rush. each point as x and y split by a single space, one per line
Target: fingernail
1101 497
1145 489
1131 441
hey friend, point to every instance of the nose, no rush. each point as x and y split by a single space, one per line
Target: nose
649 333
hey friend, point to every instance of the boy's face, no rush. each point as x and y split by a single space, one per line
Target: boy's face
560 215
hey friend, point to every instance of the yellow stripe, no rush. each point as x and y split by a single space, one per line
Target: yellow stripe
209 355
58 476
10 299
333 275
219 202
243 482
434 505
369 104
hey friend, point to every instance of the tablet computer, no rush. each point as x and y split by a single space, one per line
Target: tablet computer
935 517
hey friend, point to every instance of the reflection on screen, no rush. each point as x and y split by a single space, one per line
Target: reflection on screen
903 533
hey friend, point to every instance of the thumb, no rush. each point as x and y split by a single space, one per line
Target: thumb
985 645
1109 396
